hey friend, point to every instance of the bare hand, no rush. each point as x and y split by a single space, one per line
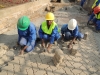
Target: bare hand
69 46
21 52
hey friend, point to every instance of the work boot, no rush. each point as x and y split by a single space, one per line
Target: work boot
85 36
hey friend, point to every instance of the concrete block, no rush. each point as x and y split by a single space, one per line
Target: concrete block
55 62
58 57
73 52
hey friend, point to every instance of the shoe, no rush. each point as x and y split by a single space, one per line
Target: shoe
85 36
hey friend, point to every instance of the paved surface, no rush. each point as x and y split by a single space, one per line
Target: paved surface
85 62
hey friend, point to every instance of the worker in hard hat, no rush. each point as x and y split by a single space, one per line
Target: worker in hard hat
48 31
82 2
95 4
26 34
95 17
70 31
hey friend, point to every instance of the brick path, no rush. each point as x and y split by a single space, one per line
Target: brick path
85 62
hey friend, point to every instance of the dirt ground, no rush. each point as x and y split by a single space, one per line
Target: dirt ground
9 3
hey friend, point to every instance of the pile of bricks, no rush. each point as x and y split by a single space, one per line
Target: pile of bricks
58 57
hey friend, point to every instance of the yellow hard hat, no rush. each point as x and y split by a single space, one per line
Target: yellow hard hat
49 16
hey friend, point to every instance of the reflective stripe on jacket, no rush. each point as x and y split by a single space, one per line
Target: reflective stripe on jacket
45 29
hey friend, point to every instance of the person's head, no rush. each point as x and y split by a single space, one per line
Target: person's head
72 24
23 23
49 18
96 9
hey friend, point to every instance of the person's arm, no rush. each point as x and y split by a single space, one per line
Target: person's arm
75 34
55 31
41 33
23 49
32 34
91 17
94 4
62 31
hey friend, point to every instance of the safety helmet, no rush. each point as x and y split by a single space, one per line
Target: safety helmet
23 23
49 16
72 24
96 10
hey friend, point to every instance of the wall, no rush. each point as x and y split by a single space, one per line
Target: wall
9 16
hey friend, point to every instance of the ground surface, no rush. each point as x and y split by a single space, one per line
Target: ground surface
85 62
9 3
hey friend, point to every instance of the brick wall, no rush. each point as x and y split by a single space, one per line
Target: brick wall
9 16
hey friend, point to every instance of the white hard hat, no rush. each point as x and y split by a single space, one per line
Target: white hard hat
72 24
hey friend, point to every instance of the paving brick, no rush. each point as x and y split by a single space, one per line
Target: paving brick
78 54
68 71
68 63
83 68
76 71
34 55
77 65
42 56
40 72
1 61
86 61
30 71
52 66
62 65
92 63
43 66
27 57
26 65
64 74
93 69
46 61
59 71
97 67
98 72
87 72
35 67
48 55
94 74
82 73
49 71
16 68
23 70
87 66
20 73
38 60
5 58
15 61
77 59
10 73
68 58
3 73
6 68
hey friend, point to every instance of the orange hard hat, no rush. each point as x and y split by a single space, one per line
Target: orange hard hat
96 10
